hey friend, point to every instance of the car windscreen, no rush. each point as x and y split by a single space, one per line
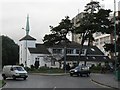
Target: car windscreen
78 67
18 68
85 68
81 68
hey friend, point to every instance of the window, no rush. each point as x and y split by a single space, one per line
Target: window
77 51
36 59
93 49
18 68
83 52
104 57
52 62
93 57
69 51
86 57
57 51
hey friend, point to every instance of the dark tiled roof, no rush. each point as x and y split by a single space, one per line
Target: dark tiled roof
40 49
87 58
27 37
91 50
68 45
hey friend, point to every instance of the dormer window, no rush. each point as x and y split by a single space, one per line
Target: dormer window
83 52
57 51
69 51
92 49
93 57
77 51
104 57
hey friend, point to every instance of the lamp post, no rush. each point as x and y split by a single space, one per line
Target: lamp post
25 50
63 31
115 35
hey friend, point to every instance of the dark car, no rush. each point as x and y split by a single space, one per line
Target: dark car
80 71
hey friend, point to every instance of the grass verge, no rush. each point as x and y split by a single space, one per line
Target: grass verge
45 70
2 83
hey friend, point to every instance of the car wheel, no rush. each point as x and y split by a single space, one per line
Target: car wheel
78 74
81 75
4 77
71 74
24 78
87 75
14 77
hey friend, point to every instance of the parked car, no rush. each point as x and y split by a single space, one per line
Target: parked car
14 71
80 71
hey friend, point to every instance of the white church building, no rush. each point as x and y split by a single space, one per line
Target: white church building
33 52
53 56
29 51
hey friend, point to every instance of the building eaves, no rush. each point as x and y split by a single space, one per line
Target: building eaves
88 58
27 37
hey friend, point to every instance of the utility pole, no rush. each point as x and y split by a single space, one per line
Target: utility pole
115 34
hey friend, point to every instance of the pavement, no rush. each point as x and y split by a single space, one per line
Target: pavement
108 80
50 74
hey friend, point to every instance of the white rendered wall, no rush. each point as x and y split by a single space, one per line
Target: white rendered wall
22 51
42 61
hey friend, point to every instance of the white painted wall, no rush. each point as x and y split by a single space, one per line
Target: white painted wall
42 60
22 51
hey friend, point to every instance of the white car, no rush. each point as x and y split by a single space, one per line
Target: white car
14 71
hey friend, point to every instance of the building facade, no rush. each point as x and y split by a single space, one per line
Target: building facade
76 23
54 56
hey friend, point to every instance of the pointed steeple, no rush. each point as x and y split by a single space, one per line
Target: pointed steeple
27 26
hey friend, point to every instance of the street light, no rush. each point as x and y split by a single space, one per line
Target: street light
26 50
115 35
64 31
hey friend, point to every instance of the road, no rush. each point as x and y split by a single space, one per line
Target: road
38 81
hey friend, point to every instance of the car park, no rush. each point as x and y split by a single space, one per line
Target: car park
80 71
14 71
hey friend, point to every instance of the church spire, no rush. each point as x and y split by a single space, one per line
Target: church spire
27 26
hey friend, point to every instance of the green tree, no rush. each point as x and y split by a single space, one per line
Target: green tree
59 32
95 19
111 46
10 51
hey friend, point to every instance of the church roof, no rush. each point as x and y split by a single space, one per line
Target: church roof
27 37
40 49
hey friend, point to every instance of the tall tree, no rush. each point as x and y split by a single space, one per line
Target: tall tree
10 51
111 46
95 19
59 32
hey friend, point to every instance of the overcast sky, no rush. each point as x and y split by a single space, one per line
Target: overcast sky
42 13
